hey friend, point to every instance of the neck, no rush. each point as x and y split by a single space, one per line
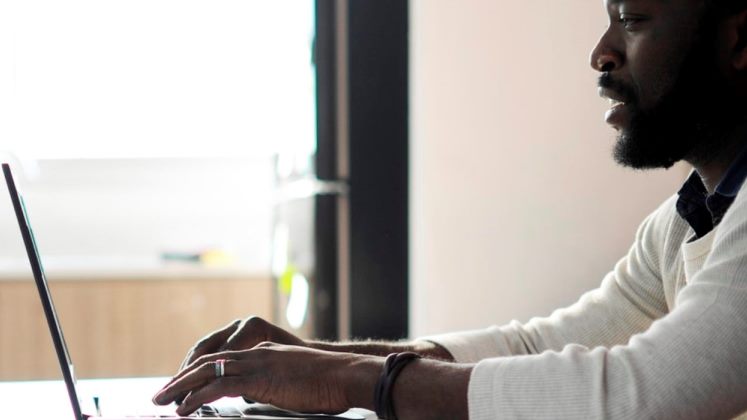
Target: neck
713 168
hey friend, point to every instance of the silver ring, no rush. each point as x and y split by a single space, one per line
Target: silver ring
220 368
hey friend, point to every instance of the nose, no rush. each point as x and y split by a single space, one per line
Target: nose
606 57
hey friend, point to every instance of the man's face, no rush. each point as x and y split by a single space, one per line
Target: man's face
659 69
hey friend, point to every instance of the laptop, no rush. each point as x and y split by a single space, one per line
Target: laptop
244 410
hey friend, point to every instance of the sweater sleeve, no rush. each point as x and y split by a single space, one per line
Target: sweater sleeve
629 299
689 364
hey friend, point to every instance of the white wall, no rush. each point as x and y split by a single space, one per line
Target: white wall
517 206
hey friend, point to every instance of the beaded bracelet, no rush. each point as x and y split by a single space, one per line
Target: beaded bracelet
383 402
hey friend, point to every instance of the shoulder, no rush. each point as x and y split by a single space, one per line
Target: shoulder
733 227
739 207
724 272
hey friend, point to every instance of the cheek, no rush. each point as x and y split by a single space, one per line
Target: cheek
656 60
652 86
653 74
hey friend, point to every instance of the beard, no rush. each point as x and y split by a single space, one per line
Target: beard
689 122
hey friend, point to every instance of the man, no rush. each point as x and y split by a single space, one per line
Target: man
665 334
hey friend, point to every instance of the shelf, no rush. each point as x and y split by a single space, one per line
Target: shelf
121 268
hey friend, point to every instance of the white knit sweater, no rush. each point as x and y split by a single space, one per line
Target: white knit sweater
664 336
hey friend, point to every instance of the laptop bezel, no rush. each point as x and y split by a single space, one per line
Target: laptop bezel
63 356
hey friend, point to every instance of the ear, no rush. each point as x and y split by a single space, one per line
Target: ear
735 27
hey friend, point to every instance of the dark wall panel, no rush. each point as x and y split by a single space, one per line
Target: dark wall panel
378 99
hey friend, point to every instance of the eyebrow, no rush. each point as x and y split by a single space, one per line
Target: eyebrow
614 3
617 2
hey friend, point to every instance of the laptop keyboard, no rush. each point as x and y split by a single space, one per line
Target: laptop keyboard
210 411
242 411
265 411
204 411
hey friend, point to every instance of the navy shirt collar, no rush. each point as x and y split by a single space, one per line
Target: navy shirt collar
734 176
702 211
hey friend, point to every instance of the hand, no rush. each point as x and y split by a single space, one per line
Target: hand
240 335
291 377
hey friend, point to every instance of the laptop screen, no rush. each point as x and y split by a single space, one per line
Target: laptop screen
41 284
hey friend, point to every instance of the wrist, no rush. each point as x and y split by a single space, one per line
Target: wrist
432 350
362 373
427 349
320 345
433 389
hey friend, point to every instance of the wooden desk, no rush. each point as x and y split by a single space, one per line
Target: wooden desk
136 324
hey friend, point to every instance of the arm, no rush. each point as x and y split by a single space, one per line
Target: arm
629 299
688 364
245 334
426 349
316 381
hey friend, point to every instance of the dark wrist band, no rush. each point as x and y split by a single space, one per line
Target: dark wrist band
383 402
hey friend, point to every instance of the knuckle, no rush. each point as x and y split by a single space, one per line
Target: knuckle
205 368
264 354
203 342
202 359
255 322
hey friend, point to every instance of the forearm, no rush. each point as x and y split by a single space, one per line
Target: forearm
425 389
381 348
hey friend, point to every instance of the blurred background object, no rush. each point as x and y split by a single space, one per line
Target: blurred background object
341 227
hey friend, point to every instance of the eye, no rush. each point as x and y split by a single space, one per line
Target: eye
630 22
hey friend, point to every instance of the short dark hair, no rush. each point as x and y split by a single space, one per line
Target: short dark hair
726 7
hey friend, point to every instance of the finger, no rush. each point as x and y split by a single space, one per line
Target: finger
250 332
228 386
211 343
210 358
192 378
226 355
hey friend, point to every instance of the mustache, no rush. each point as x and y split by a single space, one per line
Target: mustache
606 81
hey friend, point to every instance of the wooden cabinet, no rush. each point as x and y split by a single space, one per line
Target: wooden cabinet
120 327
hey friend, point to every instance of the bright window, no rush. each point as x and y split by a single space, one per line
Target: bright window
155 78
